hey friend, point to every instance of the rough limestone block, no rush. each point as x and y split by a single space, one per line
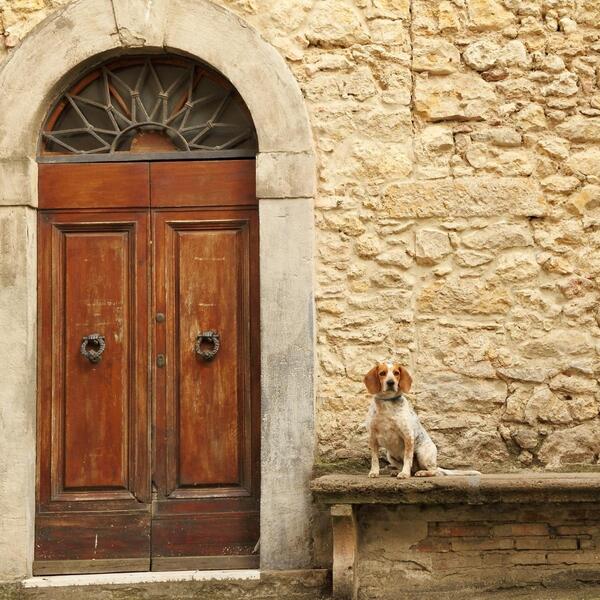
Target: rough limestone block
464 197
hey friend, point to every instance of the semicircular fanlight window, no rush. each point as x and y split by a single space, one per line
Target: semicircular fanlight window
149 104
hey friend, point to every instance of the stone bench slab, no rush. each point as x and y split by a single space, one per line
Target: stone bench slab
522 487
345 492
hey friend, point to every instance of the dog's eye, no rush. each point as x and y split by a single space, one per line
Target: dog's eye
382 373
396 373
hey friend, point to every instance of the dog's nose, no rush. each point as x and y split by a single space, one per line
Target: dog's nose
391 383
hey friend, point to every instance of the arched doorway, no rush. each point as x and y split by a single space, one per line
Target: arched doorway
148 313
285 189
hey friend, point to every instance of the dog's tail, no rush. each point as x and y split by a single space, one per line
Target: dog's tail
457 471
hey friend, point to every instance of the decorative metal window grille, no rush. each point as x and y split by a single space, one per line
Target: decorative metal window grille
149 104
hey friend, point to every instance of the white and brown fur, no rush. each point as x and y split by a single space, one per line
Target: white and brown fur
394 425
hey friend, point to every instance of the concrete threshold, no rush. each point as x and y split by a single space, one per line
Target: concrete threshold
138 578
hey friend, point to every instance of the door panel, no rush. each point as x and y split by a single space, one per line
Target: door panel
208 392
71 541
106 185
93 443
207 411
96 283
214 183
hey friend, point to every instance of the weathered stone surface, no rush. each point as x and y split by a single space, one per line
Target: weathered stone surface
460 96
448 16
470 258
464 197
397 258
17 393
527 439
481 55
334 24
488 15
575 445
499 236
435 56
141 24
301 584
517 267
531 118
574 383
535 374
446 392
536 405
18 179
480 442
586 162
481 297
514 54
587 200
379 161
285 175
560 184
368 246
557 342
566 84
431 246
580 129
506 137
434 148
479 489
286 289
514 163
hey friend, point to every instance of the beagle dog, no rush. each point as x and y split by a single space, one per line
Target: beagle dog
393 424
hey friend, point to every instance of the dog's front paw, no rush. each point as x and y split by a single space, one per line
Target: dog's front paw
373 473
403 475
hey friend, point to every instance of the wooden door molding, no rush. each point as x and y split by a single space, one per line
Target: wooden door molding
93 443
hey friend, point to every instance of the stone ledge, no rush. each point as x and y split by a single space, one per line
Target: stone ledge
523 487
306 584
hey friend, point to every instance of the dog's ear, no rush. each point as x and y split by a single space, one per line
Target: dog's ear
372 380
405 380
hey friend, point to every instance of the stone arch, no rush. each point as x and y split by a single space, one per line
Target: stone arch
84 31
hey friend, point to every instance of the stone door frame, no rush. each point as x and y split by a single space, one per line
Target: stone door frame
54 53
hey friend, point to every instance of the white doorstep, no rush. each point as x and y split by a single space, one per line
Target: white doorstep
142 577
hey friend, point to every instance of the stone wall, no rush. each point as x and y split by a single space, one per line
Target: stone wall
406 549
457 217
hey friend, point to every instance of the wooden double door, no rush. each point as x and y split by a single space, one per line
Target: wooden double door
148 408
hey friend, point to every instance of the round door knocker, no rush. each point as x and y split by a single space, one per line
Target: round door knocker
210 337
92 347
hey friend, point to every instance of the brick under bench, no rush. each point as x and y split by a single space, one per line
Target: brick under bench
395 538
